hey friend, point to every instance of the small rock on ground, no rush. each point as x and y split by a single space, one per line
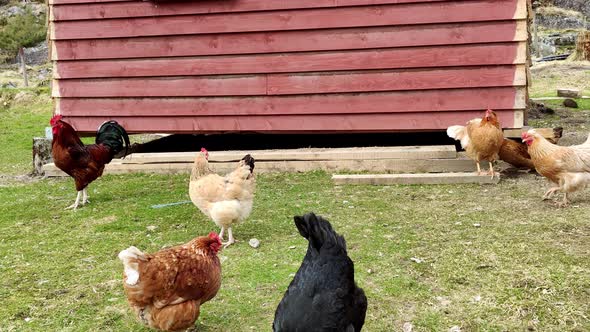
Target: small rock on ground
407 327
254 243
570 103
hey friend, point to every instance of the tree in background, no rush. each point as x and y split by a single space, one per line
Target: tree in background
19 32
582 46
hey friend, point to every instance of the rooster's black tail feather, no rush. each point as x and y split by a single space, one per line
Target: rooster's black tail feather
113 135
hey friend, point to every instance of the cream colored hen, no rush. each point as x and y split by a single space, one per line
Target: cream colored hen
227 200
566 166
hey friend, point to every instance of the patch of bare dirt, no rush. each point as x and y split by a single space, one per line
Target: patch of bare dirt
575 123
12 180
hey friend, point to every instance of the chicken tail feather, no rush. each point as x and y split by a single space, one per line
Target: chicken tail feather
249 160
319 232
113 135
130 257
459 133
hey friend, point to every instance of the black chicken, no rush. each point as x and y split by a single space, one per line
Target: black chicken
323 295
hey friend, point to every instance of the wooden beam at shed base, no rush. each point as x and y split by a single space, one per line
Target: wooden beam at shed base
400 159
422 178
310 154
551 134
375 165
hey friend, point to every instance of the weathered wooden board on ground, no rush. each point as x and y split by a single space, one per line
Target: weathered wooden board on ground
367 153
556 98
569 93
382 165
435 178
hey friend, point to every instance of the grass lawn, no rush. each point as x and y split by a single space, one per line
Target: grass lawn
25 113
485 258
527 264
548 77
583 104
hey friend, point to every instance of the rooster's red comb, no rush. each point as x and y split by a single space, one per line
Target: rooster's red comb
54 119
213 236
204 150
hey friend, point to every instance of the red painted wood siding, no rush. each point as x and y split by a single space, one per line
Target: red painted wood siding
288 66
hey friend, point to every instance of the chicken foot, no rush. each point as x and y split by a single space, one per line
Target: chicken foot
565 201
549 193
81 194
76 203
230 239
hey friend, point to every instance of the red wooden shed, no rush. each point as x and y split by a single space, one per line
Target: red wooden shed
279 66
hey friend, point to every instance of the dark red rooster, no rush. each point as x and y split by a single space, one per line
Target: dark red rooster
85 163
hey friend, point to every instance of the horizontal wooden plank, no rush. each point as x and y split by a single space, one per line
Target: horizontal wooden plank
365 153
55 2
341 17
162 87
456 77
390 102
423 178
66 10
290 41
290 84
424 57
105 10
371 165
381 122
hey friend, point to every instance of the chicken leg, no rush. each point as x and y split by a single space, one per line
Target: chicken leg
491 170
85 197
230 240
77 202
478 168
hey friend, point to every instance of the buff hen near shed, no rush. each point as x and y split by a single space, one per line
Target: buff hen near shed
481 139
227 200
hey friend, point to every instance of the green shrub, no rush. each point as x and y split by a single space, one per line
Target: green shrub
22 31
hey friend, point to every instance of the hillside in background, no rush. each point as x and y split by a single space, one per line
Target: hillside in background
558 24
23 24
